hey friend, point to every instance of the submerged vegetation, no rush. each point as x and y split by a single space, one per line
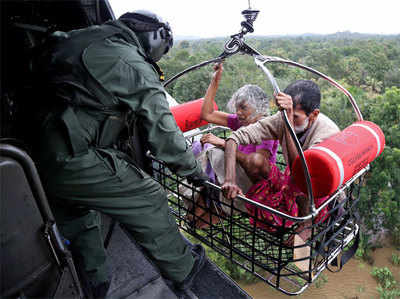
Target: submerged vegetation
388 287
395 259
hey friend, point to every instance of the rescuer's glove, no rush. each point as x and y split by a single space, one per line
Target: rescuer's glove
197 179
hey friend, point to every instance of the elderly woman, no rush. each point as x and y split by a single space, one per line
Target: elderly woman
249 104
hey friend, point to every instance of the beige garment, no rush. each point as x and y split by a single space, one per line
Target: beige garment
186 194
273 127
216 157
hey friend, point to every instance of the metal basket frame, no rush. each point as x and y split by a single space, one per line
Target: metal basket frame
254 249
268 255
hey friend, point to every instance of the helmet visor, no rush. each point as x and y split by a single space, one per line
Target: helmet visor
166 34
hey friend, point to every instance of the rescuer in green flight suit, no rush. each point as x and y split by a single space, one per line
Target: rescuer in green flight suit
104 76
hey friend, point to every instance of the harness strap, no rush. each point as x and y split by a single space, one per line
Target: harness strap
75 132
349 253
107 103
99 91
137 146
104 100
331 232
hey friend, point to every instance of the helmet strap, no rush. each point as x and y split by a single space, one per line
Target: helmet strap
158 69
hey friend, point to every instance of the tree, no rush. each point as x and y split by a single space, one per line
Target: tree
364 65
192 86
376 64
380 199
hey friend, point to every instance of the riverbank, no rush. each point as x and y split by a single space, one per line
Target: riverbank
354 281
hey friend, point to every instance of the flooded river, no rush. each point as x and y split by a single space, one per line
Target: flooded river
354 281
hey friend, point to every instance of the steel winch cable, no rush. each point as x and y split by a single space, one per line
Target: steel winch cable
233 46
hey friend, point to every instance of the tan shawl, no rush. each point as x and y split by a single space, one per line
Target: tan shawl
273 127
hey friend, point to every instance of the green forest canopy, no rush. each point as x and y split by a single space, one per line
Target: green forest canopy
368 66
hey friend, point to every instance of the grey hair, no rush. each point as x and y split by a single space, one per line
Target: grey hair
253 95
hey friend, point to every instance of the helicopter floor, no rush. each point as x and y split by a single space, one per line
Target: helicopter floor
134 276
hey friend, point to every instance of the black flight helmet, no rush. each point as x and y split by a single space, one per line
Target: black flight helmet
154 34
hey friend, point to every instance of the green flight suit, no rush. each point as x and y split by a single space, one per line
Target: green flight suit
82 180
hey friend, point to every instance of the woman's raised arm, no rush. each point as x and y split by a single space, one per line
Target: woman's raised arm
207 110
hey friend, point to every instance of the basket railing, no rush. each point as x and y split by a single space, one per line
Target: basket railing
237 45
263 249
255 245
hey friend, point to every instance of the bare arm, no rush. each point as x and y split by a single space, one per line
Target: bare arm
229 187
207 110
284 101
212 139
242 158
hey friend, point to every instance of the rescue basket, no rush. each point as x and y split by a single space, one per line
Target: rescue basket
274 254
288 256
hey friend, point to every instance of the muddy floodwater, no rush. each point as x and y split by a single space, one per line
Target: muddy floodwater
354 281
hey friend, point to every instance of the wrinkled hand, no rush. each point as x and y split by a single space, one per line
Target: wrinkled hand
231 190
284 101
218 69
212 139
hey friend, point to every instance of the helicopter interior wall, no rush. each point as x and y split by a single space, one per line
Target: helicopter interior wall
18 45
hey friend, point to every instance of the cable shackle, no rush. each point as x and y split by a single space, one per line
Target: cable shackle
234 45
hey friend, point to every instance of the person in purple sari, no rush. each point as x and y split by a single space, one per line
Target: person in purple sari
248 104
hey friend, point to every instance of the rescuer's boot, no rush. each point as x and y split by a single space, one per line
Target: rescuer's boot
100 291
199 255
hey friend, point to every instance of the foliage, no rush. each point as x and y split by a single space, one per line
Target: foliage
388 294
232 270
384 277
371 63
388 287
380 205
395 260
364 66
368 67
321 280
364 248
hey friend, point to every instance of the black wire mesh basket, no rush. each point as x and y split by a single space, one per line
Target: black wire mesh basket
278 255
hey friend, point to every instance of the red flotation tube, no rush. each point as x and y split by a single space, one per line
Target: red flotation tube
187 115
334 161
